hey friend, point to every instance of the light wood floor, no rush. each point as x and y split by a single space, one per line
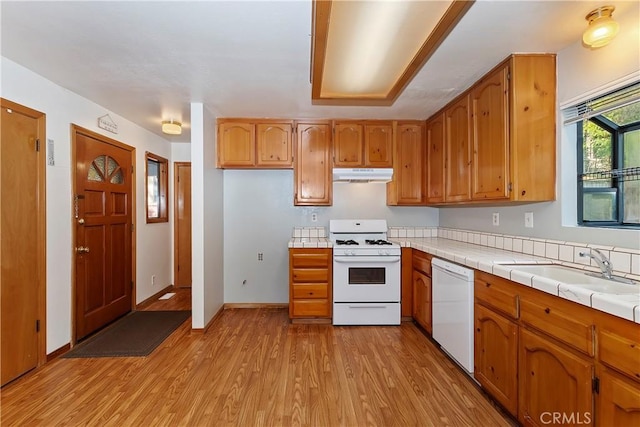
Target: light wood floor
254 368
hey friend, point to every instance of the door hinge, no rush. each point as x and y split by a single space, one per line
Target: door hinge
37 144
38 325
132 170
595 385
510 187
132 284
178 267
133 227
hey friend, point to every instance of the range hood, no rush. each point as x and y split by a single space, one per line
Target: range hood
362 174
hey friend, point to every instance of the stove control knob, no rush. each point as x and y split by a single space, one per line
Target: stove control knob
349 253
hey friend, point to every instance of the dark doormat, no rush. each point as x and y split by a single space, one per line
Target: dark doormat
136 334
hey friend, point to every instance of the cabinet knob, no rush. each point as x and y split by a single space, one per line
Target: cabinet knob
547 310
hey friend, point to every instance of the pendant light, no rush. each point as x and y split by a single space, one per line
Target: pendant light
602 28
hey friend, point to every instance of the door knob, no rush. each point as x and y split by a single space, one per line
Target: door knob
82 250
81 221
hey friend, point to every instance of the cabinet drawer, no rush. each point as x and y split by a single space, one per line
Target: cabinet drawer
310 290
560 319
311 308
310 260
619 352
495 292
310 275
421 262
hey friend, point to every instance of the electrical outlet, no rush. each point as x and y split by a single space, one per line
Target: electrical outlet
260 256
244 282
314 217
153 280
528 219
496 219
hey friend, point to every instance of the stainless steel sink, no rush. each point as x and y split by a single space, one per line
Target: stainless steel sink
572 276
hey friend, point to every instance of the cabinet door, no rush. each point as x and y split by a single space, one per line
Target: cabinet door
618 401
347 145
552 380
274 144
435 159
458 160
496 356
378 145
236 145
490 135
313 165
422 299
409 170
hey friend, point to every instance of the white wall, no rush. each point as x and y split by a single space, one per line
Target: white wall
62 108
580 71
207 220
259 216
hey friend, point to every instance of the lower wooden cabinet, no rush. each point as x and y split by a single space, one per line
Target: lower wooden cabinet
553 380
618 401
496 356
310 282
421 282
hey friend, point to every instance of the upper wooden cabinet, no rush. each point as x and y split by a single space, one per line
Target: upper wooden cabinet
500 136
367 144
490 136
407 187
458 155
435 159
255 144
312 169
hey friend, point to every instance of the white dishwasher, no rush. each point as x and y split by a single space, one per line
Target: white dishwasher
452 298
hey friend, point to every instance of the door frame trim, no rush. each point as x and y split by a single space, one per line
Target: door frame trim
78 130
176 165
41 224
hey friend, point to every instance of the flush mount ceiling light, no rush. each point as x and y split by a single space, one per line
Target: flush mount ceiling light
366 52
171 127
602 28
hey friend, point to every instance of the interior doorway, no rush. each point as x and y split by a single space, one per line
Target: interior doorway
182 225
23 242
104 202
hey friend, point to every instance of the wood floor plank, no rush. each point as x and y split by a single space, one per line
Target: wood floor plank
254 368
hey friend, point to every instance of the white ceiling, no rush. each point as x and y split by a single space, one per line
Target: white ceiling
147 61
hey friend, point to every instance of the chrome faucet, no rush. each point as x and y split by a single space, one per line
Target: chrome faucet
603 262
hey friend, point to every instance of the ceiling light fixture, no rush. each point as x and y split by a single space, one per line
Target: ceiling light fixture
366 52
602 28
171 127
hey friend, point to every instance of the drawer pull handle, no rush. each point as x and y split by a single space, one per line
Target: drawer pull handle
310 293
488 284
547 310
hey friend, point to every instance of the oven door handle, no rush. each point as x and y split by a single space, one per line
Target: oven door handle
366 259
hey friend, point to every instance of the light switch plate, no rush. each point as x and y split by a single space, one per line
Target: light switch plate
528 219
496 219
50 155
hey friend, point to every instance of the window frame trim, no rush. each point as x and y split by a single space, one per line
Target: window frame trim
163 188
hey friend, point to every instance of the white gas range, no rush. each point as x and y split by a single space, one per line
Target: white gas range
366 273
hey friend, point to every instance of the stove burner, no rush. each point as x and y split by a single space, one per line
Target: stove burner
377 242
346 242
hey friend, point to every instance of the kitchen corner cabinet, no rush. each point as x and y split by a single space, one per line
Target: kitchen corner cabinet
362 144
244 144
422 289
407 186
310 283
458 151
435 159
312 165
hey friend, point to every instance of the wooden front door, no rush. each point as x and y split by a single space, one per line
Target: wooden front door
182 250
102 214
22 247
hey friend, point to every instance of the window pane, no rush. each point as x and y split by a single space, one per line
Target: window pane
624 115
153 189
599 206
631 189
596 148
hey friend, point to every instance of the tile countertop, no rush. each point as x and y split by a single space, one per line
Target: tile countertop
498 262
310 242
